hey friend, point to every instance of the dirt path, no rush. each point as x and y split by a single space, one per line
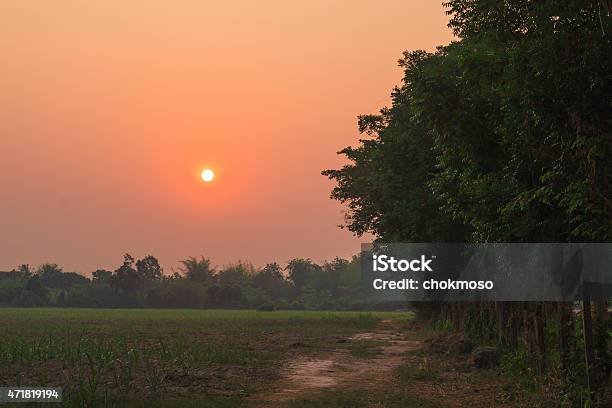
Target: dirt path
366 364
339 368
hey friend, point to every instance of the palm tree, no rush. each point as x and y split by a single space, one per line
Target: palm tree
197 269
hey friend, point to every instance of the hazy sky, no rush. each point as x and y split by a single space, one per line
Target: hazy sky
110 109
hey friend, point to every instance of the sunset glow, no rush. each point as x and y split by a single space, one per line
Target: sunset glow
125 102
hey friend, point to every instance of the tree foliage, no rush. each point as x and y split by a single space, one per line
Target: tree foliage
141 283
197 269
503 135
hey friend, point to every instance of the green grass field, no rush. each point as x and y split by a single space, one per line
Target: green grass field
179 357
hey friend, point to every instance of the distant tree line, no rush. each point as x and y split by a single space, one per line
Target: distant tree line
504 135
301 284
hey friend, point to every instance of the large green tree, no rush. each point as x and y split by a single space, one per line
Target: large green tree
503 135
386 184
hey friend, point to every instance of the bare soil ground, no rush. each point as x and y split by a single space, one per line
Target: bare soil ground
398 362
341 369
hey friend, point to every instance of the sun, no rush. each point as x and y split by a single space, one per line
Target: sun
207 175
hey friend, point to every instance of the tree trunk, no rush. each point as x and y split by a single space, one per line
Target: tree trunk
600 345
587 329
501 322
539 331
513 328
565 319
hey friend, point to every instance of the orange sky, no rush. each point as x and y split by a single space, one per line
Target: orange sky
110 109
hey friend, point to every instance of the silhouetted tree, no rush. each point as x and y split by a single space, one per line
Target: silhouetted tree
148 269
52 276
272 281
197 269
236 274
25 270
102 276
126 278
36 287
300 272
333 272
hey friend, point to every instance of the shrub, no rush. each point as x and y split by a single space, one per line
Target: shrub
266 307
